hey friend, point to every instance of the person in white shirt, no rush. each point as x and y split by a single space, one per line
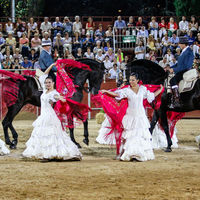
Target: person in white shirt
153 25
77 26
99 56
88 54
9 26
139 51
183 25
113 72
163 62
142 34
173 61
107 63
46 26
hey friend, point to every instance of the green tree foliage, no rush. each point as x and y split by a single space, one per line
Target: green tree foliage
4 8
187 7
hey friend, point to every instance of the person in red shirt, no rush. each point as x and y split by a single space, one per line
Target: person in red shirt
162 28
172 26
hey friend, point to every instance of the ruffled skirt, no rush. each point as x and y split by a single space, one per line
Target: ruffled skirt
3 149
49 141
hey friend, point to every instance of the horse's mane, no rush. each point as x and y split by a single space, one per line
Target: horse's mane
148 71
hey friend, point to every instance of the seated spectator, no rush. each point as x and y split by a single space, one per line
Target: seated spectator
178 53
140 23
18 55
99 34
166 42
7 64
26 64
107 46
169 56
120 26
36 42
172 26
123 65
130 23
116 62
119 55
57 27
163 62
147 55
9 27
58 43
46 27
20 27
139 51
90 26
24 45
1 60
158 45
67 42
142 34
183 26
153 59
195 48
76 42
32 28
114 72
193 25
151 42
46 38
2 43
33 56
67 26
198 39
88 54
191 38
110 54
107 63
174 40
100 56
11 42
77 26
97 47
87 42
68 55
172 62
79 54
153 26
162 28
8 55
16 65
109 34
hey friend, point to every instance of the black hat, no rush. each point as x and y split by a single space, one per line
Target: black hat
183 40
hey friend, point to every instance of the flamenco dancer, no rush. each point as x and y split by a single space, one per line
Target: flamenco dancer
136 139
48 139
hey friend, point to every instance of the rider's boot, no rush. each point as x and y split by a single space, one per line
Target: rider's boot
175 101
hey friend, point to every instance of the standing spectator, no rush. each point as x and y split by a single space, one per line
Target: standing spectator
18 55
32 28
11 42
193 25
174 40
183 25
172 26
20 27
162 28
77 26
100 56
9 26
57 27
163 62
99 34
107 63
120 55
90 26
24 45
67 26
153 26
26 64
120 25
67 42
166 44
79 54
2 43
88 54
58 43
36 42
139 51
46 26
76 42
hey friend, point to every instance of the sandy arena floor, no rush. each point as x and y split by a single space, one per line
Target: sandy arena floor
173 176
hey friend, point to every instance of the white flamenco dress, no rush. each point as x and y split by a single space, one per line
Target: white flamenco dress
159 138
48 139
3 149
138 140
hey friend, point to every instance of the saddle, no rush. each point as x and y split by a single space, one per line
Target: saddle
189 79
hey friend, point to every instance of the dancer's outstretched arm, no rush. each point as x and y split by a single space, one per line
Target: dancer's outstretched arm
49 68
110 93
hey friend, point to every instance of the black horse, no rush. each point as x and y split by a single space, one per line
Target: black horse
151 73
29 94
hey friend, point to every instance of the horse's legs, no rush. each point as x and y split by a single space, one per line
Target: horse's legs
164 124
71 130
154 121
86 134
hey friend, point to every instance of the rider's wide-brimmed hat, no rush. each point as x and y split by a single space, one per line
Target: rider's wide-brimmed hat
183 40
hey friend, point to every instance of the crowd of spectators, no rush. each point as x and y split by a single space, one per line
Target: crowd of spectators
156 40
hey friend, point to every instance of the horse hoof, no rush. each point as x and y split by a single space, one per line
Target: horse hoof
168 150
13 146
8 142
86 141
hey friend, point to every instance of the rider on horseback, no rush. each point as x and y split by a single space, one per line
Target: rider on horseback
185 62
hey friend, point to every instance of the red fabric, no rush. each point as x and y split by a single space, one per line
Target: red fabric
64 85
28 72
175 25
116 111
